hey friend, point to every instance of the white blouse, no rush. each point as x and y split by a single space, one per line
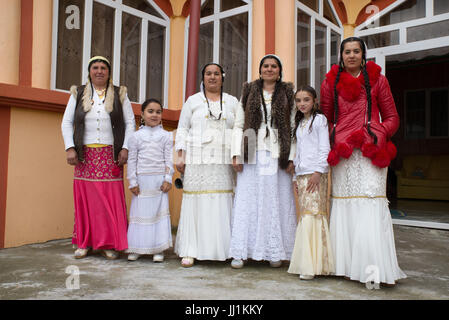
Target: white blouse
150 153
312 148
97 123
205 138
270 143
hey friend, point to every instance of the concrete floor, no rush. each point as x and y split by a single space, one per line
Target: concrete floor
38 271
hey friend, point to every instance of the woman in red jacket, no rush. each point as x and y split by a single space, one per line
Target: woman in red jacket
357 101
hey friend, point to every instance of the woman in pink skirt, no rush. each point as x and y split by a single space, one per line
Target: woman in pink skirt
97 123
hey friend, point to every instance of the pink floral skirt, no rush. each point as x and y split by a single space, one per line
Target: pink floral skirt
99 199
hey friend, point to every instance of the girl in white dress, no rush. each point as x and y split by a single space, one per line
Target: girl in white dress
312 254
150 171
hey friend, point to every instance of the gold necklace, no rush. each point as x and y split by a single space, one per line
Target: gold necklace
100 92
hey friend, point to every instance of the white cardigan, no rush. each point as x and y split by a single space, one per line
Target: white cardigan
312 148
205 139
150 153
97 123
270 143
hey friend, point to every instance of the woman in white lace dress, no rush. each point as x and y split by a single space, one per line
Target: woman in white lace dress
264 214
203 146
357 101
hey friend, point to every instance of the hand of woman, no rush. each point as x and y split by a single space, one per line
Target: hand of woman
180 166
238 167
314 182
72 157
180 161
290 168
122 157
166 186
295 184
135 190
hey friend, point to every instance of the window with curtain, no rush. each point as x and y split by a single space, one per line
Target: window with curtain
140 36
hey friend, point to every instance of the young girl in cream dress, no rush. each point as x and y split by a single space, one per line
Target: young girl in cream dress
312 253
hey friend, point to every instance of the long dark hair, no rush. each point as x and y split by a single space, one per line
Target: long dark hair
276 88
315 109
341 67
221 88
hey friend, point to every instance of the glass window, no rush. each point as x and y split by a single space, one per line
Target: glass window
311 69
206 45
383 39
409 10
207 8
415 114
130 55
103 31
312 4
70 44
335 46
303 49
320 55
328 13
142 5
439 113
234 52
428 31
230 4
155 62
440 6
231 47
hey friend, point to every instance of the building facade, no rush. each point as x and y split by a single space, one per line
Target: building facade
45 46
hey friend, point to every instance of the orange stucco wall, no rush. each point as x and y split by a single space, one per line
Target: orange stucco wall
42 26
258 38
39 206
285 37
9 40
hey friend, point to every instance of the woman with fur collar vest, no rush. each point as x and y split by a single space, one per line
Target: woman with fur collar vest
357 101
264 215
97 123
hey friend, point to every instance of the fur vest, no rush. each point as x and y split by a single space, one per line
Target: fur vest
281 107
113 105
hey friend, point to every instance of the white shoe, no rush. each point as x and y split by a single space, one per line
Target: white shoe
110 254
81 253
306 277
237 263
159 257
275 264
133 256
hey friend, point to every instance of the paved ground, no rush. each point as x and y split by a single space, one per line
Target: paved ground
38 271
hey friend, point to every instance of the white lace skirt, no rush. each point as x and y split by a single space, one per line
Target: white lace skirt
149 229
204 229
360 225
264 214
